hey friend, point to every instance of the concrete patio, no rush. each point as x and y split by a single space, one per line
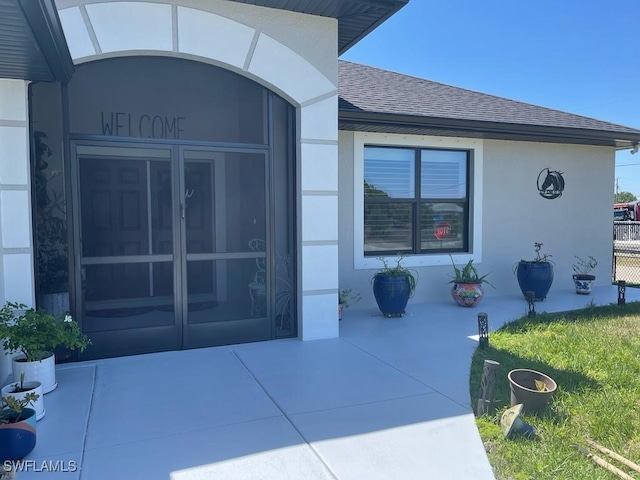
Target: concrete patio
389 399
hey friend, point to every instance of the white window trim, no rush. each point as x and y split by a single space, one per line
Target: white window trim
475 197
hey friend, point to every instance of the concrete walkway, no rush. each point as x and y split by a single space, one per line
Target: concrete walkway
389 399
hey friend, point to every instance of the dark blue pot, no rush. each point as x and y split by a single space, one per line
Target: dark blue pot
17 440
535 277
392 294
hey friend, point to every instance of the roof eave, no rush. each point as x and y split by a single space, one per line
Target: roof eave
356 18
43 19
391 123
399 4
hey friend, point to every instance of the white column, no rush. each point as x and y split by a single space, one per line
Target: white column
16 246
319 217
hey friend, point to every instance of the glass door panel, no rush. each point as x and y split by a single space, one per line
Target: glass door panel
225 225
126 239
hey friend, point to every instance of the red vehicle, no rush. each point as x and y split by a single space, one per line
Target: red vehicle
627 211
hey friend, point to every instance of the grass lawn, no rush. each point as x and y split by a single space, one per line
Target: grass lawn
594 356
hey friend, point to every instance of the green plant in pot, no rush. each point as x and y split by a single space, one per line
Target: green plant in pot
51 232
20 390
346 297
17 427
393 286
467 288
34 334
535 275
582 277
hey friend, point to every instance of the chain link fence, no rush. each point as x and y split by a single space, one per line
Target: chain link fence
626 252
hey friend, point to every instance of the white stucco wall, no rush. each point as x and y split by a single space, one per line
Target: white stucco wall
514 215
16 246
294 55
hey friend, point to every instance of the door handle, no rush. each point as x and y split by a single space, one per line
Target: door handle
183 210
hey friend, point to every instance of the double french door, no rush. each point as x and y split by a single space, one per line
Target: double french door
174 247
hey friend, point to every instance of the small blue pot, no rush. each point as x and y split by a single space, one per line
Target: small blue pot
392 294
535 277
17 440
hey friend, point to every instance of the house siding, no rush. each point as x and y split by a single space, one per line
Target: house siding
514 216
16 246
294 55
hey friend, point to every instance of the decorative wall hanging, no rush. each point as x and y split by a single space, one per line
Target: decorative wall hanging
550 184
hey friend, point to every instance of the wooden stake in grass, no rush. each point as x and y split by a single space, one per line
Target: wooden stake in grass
603 463
614 455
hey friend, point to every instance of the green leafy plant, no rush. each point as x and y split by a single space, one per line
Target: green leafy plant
398 270
18 387
51 224
12 409
584 267
467 274
346 297
37 333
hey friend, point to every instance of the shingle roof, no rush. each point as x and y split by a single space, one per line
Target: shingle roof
369 94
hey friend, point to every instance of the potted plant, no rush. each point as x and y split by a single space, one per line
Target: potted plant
51 234
582 277
17 427
346 297
535 275
20 390
393 286
35 334
467 288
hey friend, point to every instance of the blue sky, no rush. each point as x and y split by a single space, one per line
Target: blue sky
581 57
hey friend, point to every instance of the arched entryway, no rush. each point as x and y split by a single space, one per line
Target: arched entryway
178 190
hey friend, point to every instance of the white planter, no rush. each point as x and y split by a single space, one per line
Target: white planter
36 387
43 371
583 283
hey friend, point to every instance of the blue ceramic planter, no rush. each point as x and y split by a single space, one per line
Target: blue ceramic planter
535 277
392 294
17 440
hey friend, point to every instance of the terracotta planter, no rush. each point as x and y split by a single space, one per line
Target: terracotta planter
467 294
523 389
35 387
17 440
43 371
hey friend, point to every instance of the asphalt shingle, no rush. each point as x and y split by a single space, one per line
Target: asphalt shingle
372 90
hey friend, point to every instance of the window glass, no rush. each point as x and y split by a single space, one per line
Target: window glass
389 172
402 215
443 226
444 174
388 227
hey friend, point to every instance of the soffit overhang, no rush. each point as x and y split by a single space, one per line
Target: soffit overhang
356 18
32 44
414 125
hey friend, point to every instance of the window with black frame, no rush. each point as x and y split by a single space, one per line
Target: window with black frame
416 200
